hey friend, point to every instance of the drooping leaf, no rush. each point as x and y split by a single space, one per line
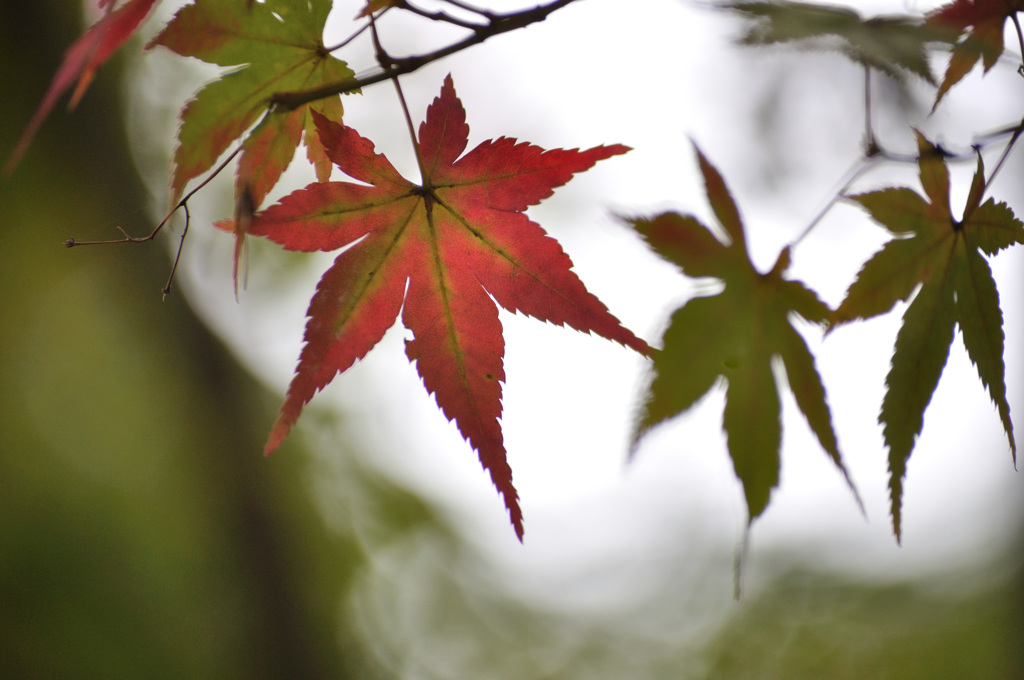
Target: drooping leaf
940 257
86 55
734 336
442 253
273 46
979 25
892 44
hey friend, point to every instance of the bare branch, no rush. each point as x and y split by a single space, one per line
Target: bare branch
496 25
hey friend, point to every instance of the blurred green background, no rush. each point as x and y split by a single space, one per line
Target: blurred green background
142 534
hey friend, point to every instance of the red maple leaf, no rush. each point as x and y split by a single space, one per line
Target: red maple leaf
442 253
82 59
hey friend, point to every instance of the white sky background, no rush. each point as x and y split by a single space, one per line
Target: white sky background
652 77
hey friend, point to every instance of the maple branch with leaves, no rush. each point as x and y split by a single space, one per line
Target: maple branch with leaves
443 255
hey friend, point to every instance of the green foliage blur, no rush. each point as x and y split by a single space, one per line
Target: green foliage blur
142 534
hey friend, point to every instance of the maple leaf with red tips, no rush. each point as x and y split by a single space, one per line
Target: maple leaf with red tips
980 23
82 59
441 253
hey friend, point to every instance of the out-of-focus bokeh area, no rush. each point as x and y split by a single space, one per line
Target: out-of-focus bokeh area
142 534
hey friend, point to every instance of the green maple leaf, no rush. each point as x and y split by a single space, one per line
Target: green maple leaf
274 46
941 258
891 44
735 335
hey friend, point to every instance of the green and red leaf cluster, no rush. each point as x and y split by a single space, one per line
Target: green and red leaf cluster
979 25
272 46
941 259
440 254
734 336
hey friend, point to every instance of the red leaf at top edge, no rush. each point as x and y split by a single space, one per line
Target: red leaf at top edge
82 59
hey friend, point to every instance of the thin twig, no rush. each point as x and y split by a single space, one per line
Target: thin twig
385 61
470 8
852 175
1006 154
498 24
346 41
180 205
739 554
177 257
870 143
440 16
